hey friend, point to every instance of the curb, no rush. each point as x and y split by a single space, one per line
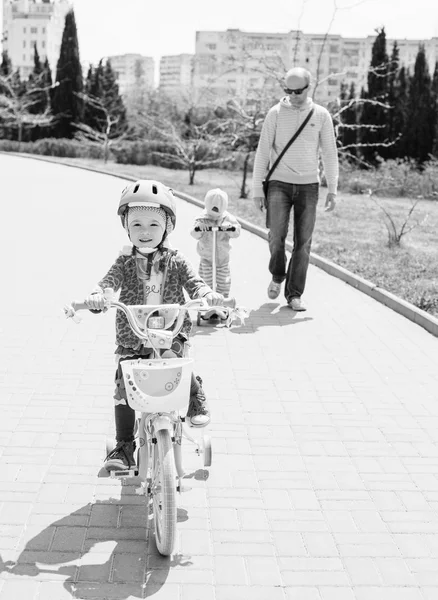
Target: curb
408 310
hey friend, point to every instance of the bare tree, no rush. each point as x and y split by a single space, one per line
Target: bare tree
101 137
17 103
243 128
198 147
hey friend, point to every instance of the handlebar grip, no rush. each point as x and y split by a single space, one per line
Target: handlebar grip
79 305
230 302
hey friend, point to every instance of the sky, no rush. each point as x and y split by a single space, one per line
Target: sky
162 27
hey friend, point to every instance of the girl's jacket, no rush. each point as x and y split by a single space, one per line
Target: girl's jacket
127 275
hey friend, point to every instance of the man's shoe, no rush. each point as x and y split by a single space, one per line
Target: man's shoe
198 413
121 458
297 304
274 290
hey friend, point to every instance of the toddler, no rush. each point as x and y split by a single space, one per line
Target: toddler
215 214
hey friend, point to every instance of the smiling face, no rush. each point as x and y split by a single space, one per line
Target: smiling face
146 229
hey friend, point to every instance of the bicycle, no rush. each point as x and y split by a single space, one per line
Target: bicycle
214 314
158 387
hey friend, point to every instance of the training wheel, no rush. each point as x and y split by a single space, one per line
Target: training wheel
206 450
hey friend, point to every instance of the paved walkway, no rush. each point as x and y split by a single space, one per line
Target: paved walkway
325 428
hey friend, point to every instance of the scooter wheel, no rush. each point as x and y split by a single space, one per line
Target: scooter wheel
198 319
206 450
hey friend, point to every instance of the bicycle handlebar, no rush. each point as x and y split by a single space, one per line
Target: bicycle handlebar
145 334
215 228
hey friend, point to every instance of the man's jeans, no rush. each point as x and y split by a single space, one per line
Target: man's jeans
281 198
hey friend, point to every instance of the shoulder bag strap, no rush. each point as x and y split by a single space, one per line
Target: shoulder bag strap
290 142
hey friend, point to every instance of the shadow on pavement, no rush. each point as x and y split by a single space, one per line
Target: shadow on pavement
269 315
102 549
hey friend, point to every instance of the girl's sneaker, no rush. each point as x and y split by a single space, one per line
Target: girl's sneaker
198 413
121 458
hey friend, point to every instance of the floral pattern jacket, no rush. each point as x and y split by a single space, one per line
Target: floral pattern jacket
125 275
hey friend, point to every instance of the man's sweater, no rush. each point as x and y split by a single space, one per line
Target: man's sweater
300 163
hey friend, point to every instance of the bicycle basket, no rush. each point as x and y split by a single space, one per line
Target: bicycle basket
157 385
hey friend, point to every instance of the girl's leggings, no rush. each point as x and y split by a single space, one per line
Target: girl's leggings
223 276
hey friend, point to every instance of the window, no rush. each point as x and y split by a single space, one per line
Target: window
333 81
334 49
34 29
24 58
44 30
24 43
43 44
211 46
24 29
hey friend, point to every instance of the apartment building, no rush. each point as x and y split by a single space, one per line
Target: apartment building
135 73
246 64
176 74
27 23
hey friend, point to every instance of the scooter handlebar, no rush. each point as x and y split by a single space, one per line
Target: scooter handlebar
214 228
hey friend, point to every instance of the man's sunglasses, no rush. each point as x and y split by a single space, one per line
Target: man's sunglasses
296 92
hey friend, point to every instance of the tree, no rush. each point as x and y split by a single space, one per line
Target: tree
374 114
242 130
17 103
421 118
435 96
399 118
67 103
347 119
195 146
6 64
101 86
103 133
393 69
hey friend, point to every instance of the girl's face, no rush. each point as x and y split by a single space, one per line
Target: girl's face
146 230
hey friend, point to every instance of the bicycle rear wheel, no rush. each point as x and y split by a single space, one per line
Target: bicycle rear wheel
163 490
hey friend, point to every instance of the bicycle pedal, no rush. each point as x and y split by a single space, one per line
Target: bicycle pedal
120 474
183 488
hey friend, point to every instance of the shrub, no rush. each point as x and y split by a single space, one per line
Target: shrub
54 147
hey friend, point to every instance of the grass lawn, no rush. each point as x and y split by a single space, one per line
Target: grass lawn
353 236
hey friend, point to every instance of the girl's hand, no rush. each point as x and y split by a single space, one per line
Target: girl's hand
214 299
96 301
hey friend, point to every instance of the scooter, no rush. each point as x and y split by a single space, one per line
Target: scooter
214 315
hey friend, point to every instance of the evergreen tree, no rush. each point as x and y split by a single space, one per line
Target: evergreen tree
6 64
399 117
37 66
435 99
374 117
111 98
349 118
420 123
101 85
392 78
66 103
93 89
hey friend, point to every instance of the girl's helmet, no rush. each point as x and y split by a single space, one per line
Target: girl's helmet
150 193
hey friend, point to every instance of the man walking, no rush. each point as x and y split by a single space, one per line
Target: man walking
294 182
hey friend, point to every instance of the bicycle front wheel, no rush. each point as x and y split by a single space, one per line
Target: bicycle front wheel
163 491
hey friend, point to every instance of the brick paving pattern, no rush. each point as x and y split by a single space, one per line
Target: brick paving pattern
324 424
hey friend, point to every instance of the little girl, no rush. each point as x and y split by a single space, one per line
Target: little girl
148 273
215 214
